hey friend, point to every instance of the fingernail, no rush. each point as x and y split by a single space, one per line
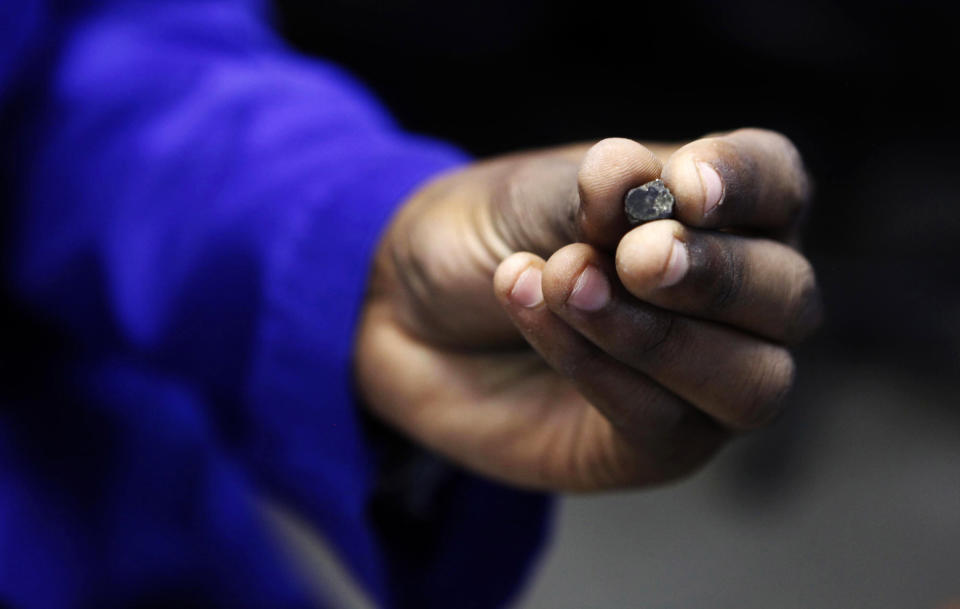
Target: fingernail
592 290
677 265
527 291
712 186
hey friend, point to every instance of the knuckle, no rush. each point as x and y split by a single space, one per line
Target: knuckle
787 157
729 277
800 185
659 335
805 312
680 451
572 359
763 399
794 181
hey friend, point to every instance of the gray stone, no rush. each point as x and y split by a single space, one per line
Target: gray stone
652 201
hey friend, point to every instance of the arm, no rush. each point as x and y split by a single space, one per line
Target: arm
201 201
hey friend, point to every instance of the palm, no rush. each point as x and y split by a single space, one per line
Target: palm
505 414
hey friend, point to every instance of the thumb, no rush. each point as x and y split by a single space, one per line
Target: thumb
610 168
574 194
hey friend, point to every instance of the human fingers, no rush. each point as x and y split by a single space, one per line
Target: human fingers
758 285
749 178
608 170
641 410
737 379
548 200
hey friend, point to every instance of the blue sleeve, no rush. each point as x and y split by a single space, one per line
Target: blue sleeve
198 202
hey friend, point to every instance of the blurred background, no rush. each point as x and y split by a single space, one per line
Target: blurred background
853 497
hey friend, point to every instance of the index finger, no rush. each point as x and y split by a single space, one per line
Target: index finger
749 178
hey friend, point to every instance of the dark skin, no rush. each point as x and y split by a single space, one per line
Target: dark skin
518 325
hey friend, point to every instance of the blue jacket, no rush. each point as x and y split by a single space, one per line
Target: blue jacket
190 212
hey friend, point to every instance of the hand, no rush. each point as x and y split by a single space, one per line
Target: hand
515 324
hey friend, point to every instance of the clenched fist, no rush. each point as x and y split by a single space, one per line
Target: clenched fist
515 323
